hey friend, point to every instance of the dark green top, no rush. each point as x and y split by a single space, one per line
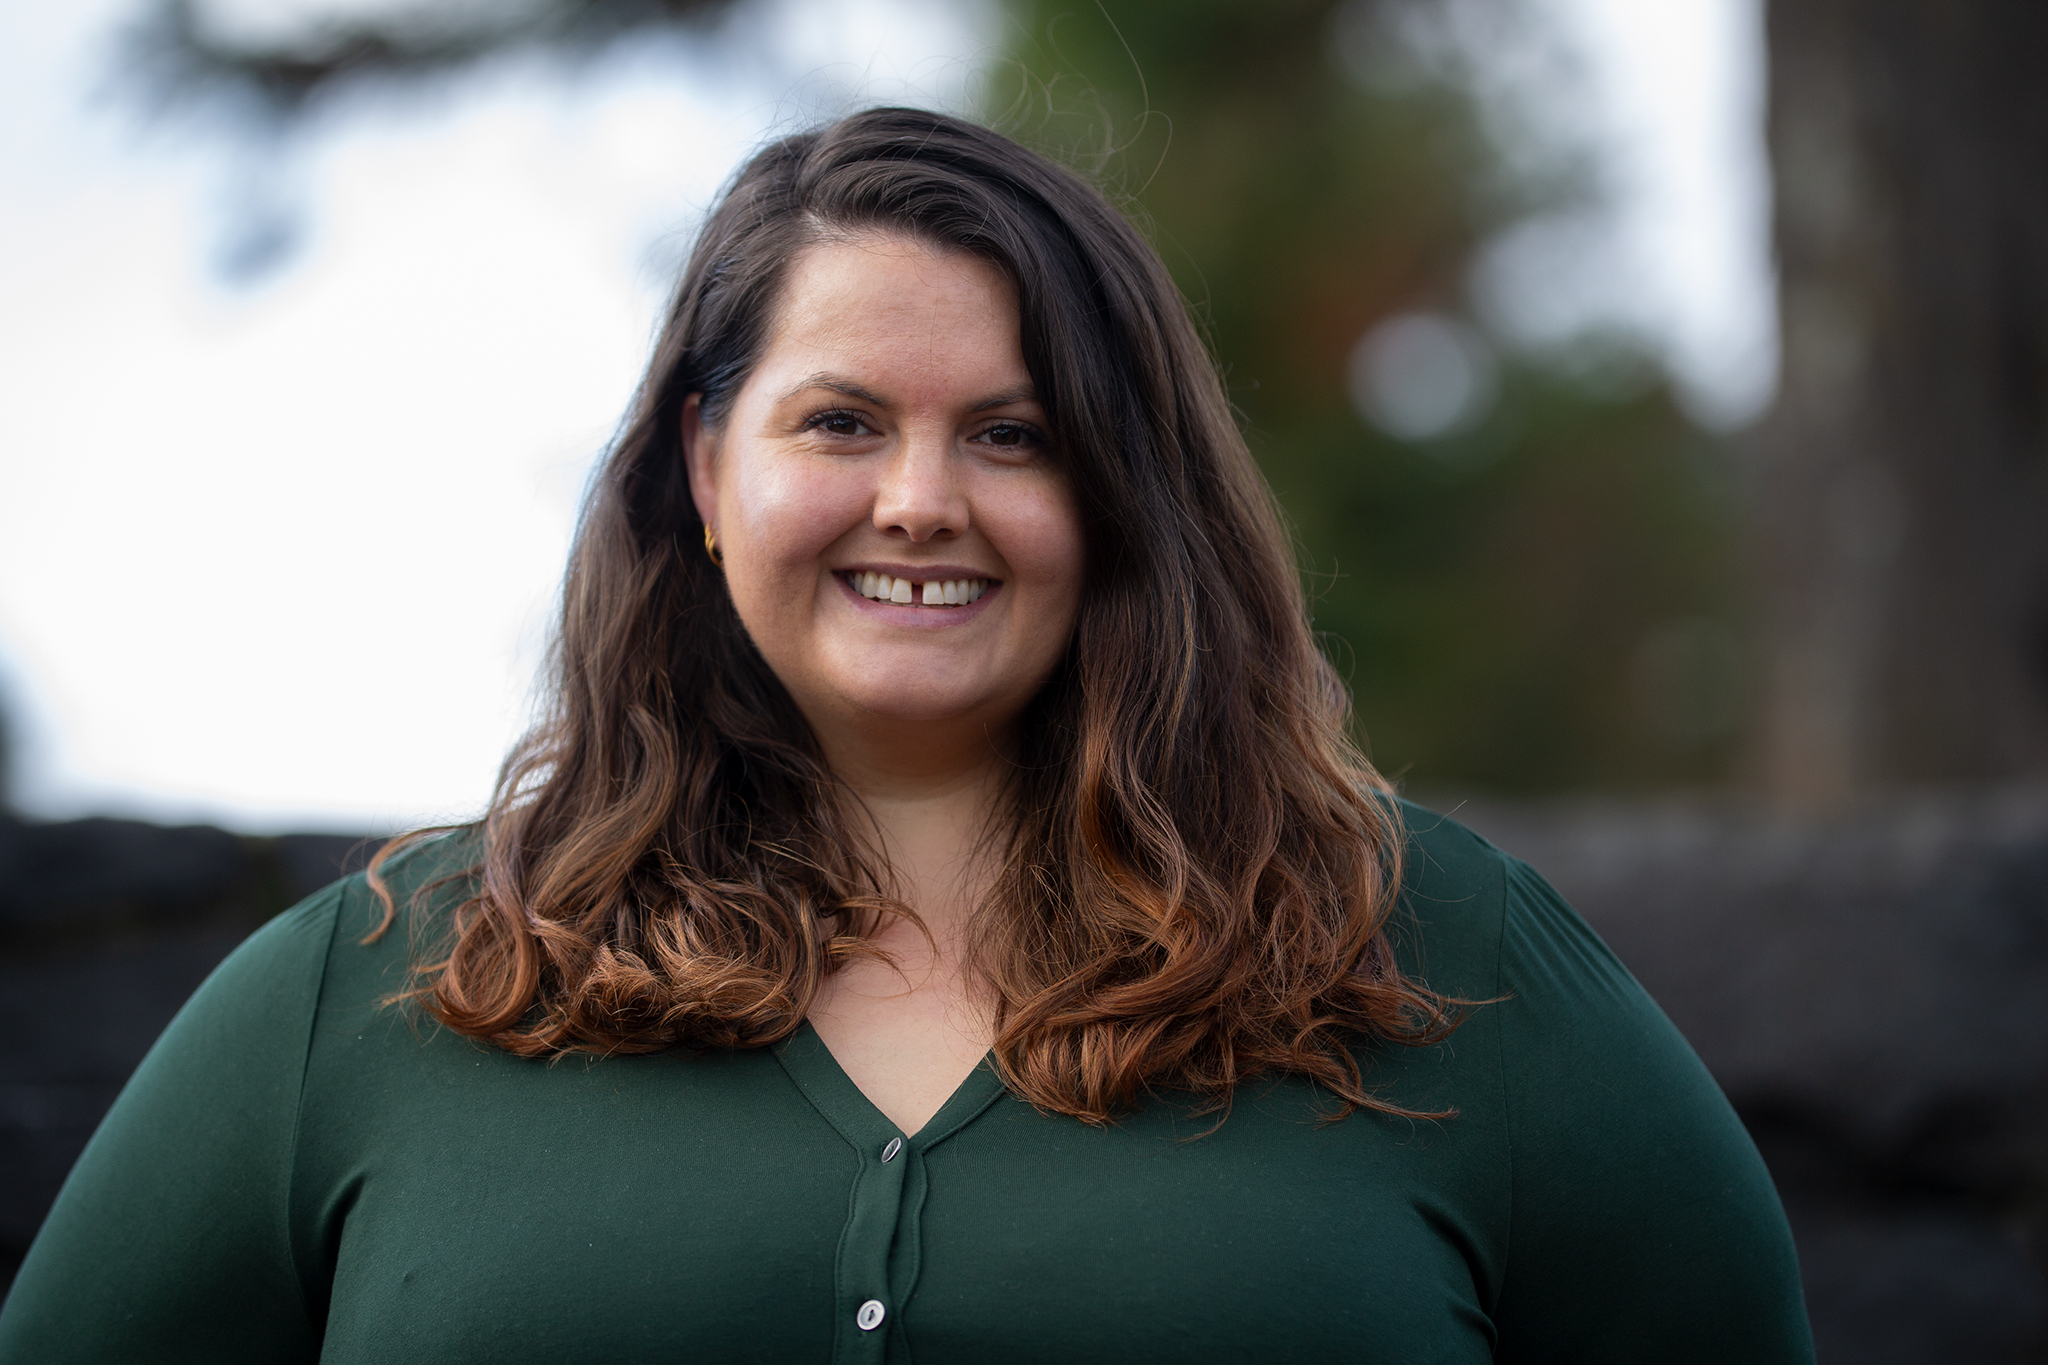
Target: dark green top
296 1172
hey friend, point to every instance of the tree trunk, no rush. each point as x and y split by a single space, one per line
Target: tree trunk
1903 503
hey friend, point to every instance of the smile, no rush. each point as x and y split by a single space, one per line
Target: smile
951 592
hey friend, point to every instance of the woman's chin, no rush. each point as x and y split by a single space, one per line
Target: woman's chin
940 707
917 681
939 713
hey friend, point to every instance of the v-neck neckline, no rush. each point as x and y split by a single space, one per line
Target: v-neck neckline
832 1093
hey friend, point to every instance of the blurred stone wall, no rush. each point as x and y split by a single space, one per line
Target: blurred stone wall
1871 991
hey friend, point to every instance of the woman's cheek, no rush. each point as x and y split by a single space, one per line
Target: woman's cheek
791 511
1040 538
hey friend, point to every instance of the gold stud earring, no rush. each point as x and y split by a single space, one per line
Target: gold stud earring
711 546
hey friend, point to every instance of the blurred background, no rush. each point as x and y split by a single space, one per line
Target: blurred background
1659 393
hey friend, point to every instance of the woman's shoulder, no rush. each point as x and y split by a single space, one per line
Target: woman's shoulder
1564 1010
272 984
1495 922
1448 920
425 862
387 919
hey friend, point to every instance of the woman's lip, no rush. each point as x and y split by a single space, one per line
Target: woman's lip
912 613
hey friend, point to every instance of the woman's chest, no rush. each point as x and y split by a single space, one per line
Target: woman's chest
727 1210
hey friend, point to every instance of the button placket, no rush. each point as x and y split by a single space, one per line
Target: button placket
864 1248
878 1254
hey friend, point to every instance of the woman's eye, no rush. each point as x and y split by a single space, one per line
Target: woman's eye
839 424
1010 434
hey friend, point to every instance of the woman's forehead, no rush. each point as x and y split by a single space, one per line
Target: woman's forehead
891 279
879 317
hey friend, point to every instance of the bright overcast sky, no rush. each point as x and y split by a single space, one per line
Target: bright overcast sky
280 553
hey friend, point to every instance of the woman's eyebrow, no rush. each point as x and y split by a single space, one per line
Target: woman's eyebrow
834 384
1023 393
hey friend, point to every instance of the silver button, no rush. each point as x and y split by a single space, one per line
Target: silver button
870 1315
895 1146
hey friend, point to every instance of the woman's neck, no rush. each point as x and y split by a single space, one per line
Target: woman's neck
933 805
907 1029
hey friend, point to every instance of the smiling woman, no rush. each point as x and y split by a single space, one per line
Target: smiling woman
987 940
887 455
910 449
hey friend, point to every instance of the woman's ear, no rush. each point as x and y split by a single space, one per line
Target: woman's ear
700 458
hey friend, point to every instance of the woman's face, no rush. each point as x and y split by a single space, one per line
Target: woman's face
897 536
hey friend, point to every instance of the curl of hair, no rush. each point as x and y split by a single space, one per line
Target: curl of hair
1196 885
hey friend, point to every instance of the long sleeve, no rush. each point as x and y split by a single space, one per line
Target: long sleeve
1643 1223
171 1239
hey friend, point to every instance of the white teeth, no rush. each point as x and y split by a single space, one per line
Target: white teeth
950 592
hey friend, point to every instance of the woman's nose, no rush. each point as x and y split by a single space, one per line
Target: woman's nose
920 494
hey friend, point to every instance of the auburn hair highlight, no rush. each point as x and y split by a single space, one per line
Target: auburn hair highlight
1197 875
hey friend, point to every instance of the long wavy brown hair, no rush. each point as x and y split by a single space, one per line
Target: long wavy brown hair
1197 875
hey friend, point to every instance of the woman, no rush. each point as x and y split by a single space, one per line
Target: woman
942 915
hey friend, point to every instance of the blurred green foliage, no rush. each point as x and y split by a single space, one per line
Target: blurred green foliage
1542 601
